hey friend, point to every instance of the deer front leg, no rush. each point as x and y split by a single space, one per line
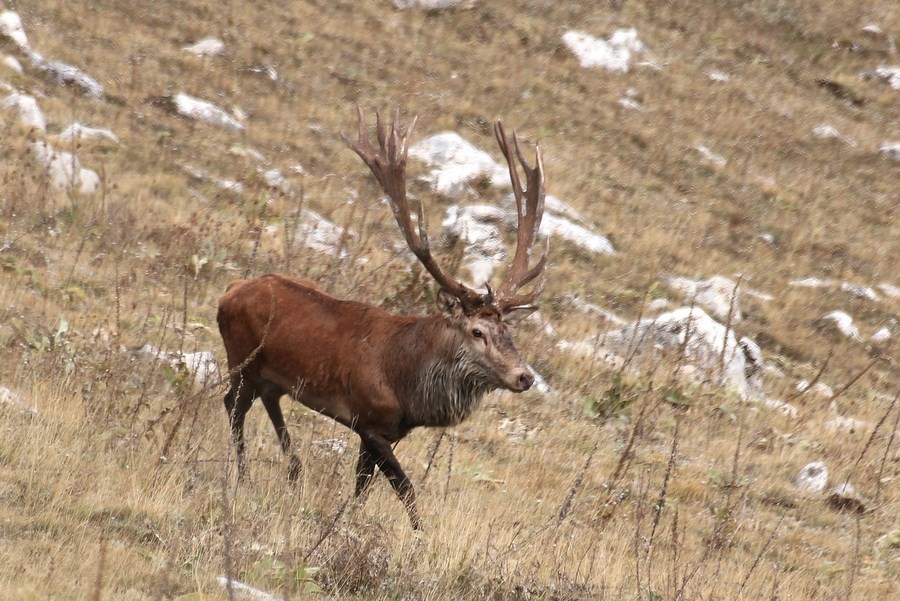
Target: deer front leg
238 401
380 449
365 469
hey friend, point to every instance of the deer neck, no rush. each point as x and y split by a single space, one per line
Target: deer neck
438 383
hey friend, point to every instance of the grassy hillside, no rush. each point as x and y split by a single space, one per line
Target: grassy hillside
618 484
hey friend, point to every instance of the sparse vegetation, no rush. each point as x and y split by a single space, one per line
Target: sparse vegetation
619 485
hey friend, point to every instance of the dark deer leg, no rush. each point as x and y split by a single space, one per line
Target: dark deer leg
384 457
270 399
238 401
365 469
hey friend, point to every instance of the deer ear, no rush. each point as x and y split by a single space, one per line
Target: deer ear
448 304
513 315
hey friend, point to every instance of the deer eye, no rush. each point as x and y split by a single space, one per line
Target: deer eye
477 333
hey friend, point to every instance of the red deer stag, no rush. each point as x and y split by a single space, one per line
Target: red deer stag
382 375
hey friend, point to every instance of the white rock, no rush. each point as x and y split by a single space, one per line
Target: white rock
13 400
551 225
819 389
785 408
881 336
457 164
69 75
714 294
477 227
889 290
65 170
844 323
13 64
872 29
700 338
860 291
275 179
813 478
614 54
27 108
78 131
890 75
719 76
659 304
826 132
206 47
711 157
430 4
811 283
245 591
336 446
207 112
891 149
201 365
11 27
319 234
630 103
848 425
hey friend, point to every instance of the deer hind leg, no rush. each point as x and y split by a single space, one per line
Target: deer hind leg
271 397
380 449
238 401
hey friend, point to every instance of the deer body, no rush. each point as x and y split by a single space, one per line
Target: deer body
379 374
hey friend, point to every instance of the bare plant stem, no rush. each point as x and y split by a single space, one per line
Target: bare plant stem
576 486
759 557
887 449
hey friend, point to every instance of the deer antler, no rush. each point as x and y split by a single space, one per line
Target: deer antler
530 210
388 164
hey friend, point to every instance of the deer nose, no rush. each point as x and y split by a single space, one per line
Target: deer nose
526 379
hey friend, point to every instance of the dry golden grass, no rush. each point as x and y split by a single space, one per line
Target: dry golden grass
122 487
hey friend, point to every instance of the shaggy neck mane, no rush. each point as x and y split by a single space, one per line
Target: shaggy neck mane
439 384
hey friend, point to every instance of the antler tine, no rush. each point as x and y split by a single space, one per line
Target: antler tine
388 164
530 211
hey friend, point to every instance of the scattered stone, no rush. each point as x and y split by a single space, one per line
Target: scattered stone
206 48
614 54
813 478
11 28
27 108
659 304
889 75
478 228
65 170
811 282
265 70
719 76
457 163
518 429
630 100
848 425
335 446
889 289
228 185
881 336
431 4
845 498
785 408
10 399
576 234
274 179
77 132
819 389
321 235
715 294
701 339
201 365
891 149
768 239
711 157
872 29
826 132
245 591
844 324
197 109
13 64
68 75
239 150
860 291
